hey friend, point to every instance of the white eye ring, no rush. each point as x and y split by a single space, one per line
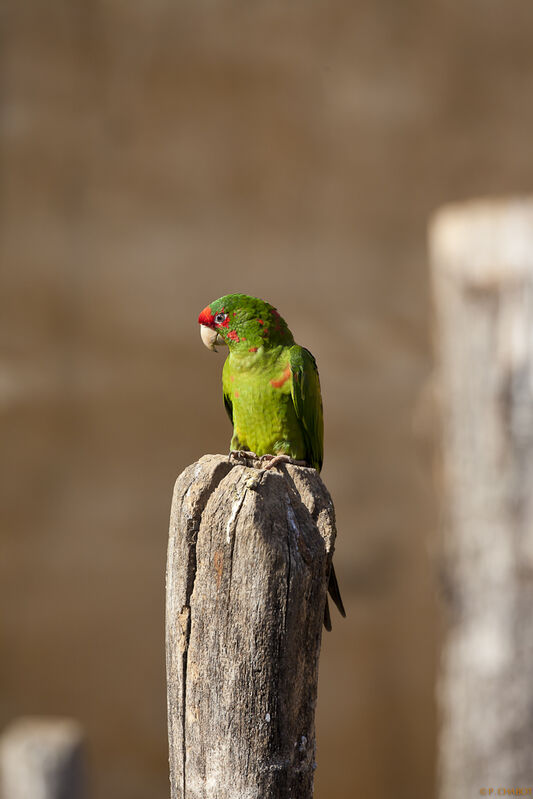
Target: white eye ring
220 317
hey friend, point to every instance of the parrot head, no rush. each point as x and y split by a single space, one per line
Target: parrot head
243 323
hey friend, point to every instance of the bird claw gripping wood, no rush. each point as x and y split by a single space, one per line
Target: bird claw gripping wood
242 455
267 461
275 460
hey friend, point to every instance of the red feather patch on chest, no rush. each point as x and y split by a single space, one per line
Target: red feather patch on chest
283 379
233 335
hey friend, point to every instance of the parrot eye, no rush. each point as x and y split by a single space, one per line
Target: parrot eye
220 317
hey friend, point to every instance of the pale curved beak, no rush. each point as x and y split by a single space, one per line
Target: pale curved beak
210 337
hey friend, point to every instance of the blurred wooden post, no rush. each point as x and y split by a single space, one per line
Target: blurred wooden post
248 556
482 267
42 758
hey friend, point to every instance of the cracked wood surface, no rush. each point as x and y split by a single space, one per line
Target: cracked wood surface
248 559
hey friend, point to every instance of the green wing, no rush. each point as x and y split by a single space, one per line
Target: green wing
226 389
307 401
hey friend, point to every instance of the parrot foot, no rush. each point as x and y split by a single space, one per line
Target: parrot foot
242 455
274 460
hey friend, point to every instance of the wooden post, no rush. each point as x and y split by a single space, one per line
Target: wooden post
42 758
482 267
248 558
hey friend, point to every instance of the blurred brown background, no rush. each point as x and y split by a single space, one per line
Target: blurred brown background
156 155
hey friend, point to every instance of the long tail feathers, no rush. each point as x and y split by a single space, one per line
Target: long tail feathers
327 617
335 594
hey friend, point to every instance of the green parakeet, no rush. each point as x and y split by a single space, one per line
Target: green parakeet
271 388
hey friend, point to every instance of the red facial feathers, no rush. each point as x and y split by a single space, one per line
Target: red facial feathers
206 317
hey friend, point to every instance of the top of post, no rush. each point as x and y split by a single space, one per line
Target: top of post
484 242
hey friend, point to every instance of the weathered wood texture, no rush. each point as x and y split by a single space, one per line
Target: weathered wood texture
249 553
482 266
42 758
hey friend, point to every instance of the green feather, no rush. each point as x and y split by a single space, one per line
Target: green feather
305 391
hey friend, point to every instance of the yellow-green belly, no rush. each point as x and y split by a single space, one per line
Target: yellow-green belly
264 420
